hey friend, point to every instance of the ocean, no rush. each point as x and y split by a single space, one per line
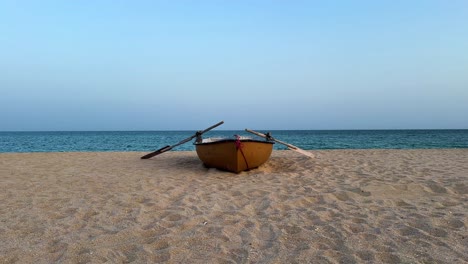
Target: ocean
306 139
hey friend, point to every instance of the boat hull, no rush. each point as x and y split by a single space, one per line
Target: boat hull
229 155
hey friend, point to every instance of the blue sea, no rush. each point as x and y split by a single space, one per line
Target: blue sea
306 139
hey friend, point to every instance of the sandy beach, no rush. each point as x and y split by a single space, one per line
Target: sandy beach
346 206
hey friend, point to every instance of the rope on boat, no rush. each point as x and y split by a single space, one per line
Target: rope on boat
239 146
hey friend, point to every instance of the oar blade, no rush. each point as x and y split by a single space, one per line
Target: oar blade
303 152
157 152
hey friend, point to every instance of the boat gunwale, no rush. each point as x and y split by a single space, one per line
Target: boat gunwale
232 140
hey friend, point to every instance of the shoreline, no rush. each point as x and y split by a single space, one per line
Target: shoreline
348 205
140 152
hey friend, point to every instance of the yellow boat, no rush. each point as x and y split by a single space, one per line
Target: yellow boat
233 155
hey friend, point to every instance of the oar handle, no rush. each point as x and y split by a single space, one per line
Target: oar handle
211 127
256 133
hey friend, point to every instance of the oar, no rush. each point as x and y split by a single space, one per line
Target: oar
291 147
167 148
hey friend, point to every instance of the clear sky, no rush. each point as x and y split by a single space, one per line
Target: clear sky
164 65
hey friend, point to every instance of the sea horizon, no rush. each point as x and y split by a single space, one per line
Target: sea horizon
260 129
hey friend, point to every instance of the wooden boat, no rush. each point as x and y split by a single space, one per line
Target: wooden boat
233 155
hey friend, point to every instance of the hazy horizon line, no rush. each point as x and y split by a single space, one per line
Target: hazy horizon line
194 130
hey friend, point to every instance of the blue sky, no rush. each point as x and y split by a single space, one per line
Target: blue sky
163 65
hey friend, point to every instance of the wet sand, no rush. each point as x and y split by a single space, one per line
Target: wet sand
346 206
